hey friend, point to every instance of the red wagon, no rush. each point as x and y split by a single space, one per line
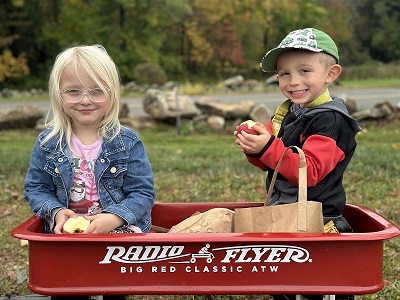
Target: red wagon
234 263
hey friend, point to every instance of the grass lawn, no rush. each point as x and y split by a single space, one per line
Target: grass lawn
209 167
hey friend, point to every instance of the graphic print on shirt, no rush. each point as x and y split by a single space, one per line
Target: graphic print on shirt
78 192
84 198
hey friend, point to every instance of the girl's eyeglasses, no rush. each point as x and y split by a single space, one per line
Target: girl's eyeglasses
76 95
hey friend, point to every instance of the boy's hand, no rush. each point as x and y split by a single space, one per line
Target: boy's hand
252 143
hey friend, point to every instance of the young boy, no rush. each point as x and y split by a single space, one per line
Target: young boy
306 63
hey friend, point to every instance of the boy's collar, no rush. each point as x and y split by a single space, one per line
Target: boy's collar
321 99
283 109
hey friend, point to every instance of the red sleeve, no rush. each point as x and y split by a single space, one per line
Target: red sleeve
256 161
269 127
322 155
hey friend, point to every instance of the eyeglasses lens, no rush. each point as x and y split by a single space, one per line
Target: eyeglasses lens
76 95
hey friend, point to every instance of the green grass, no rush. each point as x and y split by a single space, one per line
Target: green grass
209 167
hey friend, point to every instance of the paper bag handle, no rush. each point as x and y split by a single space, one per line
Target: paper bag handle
302 197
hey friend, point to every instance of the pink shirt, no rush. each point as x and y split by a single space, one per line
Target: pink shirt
84 198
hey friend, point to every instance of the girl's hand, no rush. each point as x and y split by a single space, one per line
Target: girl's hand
61 217
253 143
103 223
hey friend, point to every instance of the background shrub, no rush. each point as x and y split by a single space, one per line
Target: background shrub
149 73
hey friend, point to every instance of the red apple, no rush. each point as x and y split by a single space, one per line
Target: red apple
76 225
247 126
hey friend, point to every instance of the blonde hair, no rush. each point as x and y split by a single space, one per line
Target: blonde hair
327 60
99 66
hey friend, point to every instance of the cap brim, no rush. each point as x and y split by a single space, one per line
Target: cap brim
268 62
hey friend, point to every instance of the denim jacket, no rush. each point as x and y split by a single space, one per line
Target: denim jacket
123 177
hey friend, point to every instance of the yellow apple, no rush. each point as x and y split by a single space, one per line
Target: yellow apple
76 225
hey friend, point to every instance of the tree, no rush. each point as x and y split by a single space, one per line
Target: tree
190 39
375 26
12 67
385 43
228 46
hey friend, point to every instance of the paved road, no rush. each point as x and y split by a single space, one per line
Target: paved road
365 98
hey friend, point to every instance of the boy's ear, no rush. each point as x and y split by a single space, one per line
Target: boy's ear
333 73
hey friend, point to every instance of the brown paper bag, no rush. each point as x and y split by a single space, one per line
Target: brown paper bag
301 216
213 220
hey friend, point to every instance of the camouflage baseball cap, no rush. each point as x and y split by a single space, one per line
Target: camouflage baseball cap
308 38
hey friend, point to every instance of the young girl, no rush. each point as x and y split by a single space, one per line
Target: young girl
85 163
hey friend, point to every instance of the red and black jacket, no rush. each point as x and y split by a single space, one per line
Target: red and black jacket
326 134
